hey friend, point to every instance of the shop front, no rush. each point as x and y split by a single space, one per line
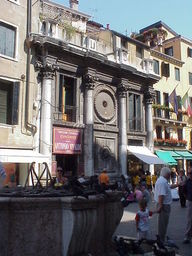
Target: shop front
140 158
180 159
67 151
17 162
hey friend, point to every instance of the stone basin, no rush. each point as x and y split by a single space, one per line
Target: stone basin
59 226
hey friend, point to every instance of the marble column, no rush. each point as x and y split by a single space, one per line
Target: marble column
47 72
149 125
122 92
89 82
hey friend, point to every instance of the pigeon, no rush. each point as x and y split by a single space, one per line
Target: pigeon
170 243
160 242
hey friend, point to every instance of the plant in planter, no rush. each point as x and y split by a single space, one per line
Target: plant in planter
158 141
182 142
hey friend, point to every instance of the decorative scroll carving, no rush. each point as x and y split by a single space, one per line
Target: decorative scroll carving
122 90
89 81
46 68
148 97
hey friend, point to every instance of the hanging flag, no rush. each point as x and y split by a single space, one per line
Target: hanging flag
186 104
173 100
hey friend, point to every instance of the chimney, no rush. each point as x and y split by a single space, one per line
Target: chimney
74 4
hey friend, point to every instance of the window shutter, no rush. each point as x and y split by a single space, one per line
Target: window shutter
15 103
165 69
3 106
179 102
158 93
189 52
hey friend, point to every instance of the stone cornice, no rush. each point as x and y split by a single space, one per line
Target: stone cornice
37 40
167 58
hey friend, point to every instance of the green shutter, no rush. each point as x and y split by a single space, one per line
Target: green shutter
3 106
15 103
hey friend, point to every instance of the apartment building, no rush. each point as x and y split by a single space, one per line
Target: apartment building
18 141
172 105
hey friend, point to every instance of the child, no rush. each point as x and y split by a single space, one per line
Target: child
142 220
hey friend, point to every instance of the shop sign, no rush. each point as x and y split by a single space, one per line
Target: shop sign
66 141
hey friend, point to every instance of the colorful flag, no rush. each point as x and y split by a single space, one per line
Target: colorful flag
186 104
173 101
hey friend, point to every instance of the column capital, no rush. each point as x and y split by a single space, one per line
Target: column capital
89 81
122 90
148 97
46 68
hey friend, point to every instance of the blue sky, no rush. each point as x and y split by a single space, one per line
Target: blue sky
126 16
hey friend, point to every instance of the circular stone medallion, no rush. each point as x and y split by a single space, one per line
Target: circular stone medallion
105 105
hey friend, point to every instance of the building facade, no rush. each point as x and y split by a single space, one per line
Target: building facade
172 105
73 93
18 128
96 91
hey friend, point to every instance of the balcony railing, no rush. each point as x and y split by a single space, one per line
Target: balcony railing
164 112
67 115
170 142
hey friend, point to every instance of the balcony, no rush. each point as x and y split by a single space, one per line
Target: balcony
67 115
166 114
170 142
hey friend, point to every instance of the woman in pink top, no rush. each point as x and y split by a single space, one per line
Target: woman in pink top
138 194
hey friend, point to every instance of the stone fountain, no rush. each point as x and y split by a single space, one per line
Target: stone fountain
49 224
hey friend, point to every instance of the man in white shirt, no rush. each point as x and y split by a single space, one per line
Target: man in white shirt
163 199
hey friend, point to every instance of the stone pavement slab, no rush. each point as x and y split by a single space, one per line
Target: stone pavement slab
176 228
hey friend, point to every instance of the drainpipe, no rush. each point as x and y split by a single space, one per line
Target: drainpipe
28 125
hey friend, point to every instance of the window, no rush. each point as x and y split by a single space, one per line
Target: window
92 44
165 69
139 52
7 40
9 101
190 78
177 74
169 51
167 133
159 132
67 97
189 52
135 123
158 101
123 43
156 66
179 104
180 134
166 103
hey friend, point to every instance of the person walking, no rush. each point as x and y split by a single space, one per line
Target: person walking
142 220
181 179
188 194
163 199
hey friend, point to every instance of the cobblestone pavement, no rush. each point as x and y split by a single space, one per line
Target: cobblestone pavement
176 228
